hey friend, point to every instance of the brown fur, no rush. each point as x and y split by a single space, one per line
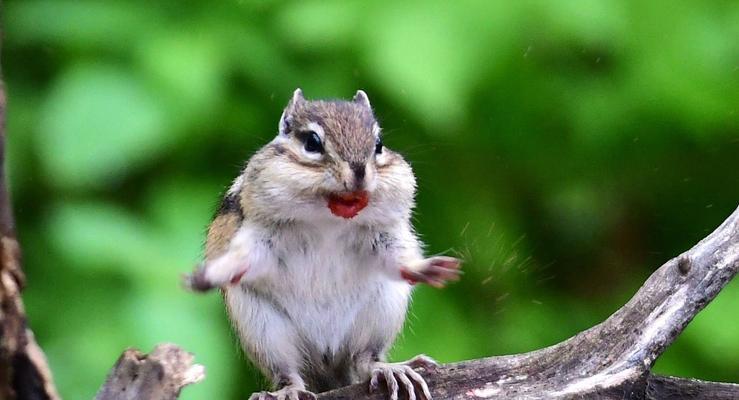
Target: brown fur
220 232
348 126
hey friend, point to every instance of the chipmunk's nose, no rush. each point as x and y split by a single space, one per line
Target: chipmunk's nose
359 170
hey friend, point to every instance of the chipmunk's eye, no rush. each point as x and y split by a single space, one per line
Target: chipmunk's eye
313 142
378 145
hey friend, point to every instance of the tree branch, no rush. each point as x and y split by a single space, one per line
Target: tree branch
160 375
24 373
612 359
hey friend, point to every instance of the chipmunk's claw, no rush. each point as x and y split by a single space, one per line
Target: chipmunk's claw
399 378
422 361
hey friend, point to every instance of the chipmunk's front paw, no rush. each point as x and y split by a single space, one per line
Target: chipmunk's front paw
434 271
206 277
197 281
399 378
286 393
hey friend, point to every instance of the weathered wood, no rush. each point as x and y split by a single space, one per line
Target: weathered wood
655 387
612 359
160 375
670 388
24 373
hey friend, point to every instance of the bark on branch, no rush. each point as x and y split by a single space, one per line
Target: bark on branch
24 373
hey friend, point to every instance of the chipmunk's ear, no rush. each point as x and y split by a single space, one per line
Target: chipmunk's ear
362 99
297 98
296 101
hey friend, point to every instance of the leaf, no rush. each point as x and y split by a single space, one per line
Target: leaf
78 24
316 25
187 70
181 210
97 124
430 56
99 236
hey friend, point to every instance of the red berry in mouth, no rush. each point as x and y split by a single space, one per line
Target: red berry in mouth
348 204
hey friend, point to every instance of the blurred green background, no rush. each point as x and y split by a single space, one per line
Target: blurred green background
565 149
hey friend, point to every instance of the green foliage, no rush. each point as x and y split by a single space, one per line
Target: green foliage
123 126
564 149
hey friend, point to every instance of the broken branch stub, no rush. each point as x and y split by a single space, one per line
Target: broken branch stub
159 375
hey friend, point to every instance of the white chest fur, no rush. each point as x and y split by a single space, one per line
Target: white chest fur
330 286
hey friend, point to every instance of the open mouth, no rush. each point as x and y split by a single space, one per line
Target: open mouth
348 204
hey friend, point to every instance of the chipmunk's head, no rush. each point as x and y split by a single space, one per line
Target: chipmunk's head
333 158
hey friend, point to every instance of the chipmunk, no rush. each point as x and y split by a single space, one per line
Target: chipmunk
316 256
